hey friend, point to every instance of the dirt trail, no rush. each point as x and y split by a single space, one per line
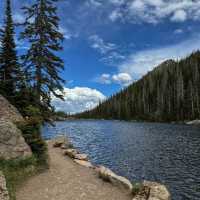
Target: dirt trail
66 180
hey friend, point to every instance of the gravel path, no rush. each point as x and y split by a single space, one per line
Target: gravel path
66 180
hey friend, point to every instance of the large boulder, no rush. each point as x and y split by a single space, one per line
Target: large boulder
12 144
155 190
108 175
8 111
3 188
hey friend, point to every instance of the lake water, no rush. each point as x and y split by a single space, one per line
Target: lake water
165 153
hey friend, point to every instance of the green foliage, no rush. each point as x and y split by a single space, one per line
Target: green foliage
17 171
32 111
137 188
42 65
171 92
61 114
10 73
31 132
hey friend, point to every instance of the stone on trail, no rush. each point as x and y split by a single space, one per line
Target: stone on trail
108 175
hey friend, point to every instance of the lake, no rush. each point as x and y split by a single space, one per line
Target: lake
166 153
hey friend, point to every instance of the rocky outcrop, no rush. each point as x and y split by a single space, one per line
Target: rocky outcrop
108 175
153 191
3 188
12 144
8 111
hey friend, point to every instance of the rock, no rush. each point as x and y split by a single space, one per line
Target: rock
108 175
194 122
84 163
3 188
156 192
81 157
12 144
9 112
66 146
60 141
71 152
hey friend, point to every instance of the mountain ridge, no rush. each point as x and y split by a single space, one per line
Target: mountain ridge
170 92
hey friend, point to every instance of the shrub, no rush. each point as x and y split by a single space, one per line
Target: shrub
16 171
137 188
31 132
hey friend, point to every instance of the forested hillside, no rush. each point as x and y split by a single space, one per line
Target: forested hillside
171 92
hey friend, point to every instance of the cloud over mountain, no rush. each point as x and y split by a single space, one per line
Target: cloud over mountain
78 99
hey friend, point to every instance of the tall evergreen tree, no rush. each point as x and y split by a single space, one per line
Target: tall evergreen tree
42 65
9 67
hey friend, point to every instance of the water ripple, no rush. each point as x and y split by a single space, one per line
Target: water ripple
159 152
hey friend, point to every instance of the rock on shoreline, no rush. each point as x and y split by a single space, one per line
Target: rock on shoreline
149 190
194 122
108 175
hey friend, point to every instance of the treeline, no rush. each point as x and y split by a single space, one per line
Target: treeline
171 92
29 80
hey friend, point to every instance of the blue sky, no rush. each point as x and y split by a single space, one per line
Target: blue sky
111 43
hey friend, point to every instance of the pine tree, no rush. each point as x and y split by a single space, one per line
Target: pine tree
42 65
9 67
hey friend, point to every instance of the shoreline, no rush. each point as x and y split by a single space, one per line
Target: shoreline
72 176
195 122
66 179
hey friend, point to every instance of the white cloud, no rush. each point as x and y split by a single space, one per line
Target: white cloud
116 14
100 45
155 11
140 63
117 2
179 16
94 3
78 99
104 79
123 79
137 5
110 52
66 33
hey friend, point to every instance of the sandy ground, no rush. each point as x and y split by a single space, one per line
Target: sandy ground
66 180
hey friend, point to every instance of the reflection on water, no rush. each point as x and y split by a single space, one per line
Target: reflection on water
159 152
